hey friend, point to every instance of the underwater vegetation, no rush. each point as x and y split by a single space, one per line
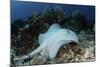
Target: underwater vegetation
24 37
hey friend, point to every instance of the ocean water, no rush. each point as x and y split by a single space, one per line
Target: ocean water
21 10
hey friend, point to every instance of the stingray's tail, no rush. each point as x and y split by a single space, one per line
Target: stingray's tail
28 55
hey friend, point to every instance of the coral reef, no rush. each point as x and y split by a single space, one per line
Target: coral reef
85 52
51 41
24 37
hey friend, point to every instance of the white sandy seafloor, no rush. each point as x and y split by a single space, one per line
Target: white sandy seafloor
84 52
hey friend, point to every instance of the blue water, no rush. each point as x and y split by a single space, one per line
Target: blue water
21 10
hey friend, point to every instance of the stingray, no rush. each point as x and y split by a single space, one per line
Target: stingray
51 41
